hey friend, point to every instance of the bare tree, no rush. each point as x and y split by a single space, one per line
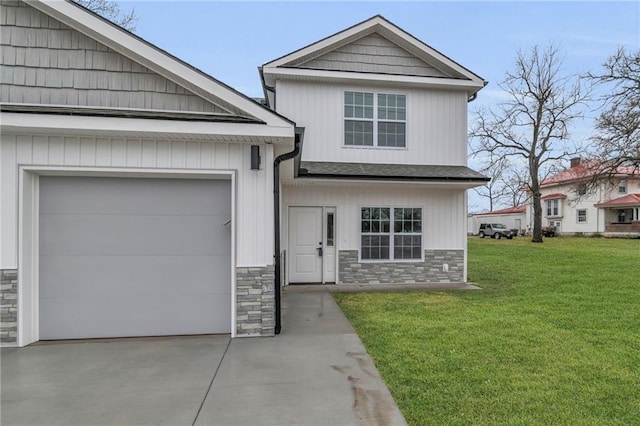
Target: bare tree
533 123
492 191
514 184
110 10
506 187
617 137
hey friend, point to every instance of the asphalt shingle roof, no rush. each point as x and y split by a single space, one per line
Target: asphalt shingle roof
389 171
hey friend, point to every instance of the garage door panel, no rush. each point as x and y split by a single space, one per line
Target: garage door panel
90 195
136 235
114 316
134 257
130 275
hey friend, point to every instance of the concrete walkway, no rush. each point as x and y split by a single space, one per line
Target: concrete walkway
315 373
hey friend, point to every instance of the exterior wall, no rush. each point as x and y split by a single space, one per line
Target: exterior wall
255 306
436 124
254 188
444 217
439 266
373 54
8 305
444 225
46 62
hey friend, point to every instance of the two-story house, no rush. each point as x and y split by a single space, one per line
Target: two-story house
143 197
379 192
573 204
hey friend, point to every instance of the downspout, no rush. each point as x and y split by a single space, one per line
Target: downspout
299 132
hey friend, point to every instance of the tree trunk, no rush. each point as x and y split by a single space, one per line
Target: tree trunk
537 213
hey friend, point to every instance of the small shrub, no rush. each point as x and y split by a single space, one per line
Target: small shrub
596 235
579 234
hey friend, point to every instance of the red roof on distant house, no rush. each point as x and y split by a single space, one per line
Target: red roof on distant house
510 210
630 200
554 195
583 171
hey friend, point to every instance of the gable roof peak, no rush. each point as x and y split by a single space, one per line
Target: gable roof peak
417 59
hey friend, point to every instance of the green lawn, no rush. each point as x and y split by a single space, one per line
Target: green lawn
554 337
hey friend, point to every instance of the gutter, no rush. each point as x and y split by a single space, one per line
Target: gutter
475 95
299 134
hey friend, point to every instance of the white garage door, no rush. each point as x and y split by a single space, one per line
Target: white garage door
134 257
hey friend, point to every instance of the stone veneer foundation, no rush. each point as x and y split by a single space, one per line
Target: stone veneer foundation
8 305
430 271
255 311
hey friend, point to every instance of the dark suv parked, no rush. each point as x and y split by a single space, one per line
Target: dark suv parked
494 230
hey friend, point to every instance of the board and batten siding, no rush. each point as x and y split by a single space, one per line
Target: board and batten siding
373 54
46 62
444 210
436 124
254 191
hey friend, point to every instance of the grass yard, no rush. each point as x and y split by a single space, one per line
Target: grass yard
554 337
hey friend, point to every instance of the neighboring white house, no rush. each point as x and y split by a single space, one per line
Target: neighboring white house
140 195
572 205
379 192
510 217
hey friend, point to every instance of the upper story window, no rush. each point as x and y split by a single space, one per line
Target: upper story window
582 189
622 187
375 119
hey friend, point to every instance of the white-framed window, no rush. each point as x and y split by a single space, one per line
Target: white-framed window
622 187
582 189
553 207
581 216
390 233
375 119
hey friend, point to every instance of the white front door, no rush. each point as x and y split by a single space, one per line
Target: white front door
305 244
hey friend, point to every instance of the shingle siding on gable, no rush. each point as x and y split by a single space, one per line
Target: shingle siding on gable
373 54
45 62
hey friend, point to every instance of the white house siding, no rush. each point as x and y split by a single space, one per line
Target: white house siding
47 62
373 54
436 124
253 220
444 224
254 188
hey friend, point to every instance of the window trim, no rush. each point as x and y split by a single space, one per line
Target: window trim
375 121
623 184
391 234
549 212
578 216
582 189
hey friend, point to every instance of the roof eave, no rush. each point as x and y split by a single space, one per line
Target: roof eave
285 73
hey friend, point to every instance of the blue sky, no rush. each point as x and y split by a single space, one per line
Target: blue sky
229 40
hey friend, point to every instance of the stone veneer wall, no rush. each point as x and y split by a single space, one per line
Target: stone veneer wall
8 305
430 271
255 313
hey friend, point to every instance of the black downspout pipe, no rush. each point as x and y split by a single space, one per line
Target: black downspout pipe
276 218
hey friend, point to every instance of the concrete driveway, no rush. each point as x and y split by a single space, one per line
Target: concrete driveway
315 373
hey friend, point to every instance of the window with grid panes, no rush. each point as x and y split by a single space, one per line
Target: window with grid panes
391 233
375 120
